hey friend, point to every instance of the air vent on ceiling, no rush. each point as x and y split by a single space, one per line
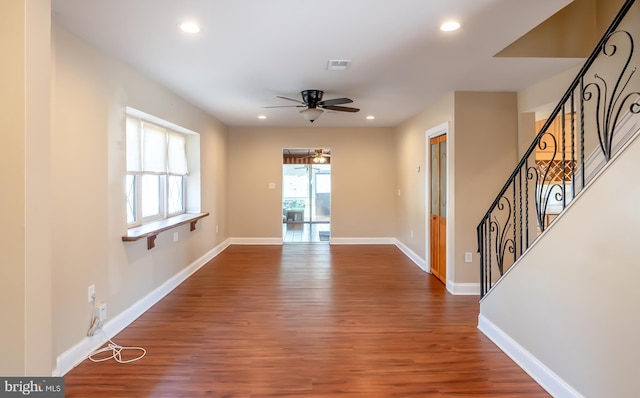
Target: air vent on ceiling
339 64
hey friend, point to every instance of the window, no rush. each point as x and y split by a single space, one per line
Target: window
157 171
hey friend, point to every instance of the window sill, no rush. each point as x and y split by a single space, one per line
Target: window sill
152 229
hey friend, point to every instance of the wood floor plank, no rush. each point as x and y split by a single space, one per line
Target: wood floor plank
311 320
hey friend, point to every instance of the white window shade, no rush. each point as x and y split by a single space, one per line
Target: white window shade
177 154
154 149
134 156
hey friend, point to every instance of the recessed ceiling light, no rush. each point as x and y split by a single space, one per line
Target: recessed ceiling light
189 27
449 26
262 117
370 117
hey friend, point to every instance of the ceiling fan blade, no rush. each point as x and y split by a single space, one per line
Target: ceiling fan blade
318 153
291 99
335 101
341 108
286 106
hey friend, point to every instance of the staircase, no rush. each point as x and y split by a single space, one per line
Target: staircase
591 124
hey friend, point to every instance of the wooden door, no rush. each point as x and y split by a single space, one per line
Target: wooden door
438 212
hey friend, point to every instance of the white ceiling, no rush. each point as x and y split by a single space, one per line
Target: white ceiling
250 51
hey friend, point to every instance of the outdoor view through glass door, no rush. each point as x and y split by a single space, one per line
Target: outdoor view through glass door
306 195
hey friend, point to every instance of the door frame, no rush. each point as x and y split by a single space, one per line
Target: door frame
441 129
312 187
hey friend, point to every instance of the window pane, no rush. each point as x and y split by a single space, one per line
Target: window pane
131 198
323 183
150 199
443 179
175 192
434 178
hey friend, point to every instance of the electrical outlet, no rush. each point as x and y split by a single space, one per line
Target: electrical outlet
101 312
175 236
99 316
91 292
216 229
412 233
468 257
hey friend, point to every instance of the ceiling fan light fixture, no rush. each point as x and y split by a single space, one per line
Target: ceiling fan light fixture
311 114
319 159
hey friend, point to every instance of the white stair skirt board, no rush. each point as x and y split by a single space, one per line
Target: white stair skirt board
79 352
547 379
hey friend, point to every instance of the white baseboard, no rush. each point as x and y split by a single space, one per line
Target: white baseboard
363 241
460 289
412 255
79 352
547 379
255 241
333 241
463 289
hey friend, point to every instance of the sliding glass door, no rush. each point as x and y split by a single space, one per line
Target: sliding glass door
306 202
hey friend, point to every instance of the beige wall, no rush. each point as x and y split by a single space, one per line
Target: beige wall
544 95
572 32
411 146
87 171
569 33
606 10
572 301
12 172
486 149
25 299
362 178
482 144
540 97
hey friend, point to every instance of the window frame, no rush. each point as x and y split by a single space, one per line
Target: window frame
163 177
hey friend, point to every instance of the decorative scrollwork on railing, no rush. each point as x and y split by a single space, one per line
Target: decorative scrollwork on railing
542 197
502 230
610 104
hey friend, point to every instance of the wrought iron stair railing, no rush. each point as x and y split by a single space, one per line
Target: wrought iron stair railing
595 118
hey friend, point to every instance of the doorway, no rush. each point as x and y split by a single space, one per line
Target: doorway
438 207
306 195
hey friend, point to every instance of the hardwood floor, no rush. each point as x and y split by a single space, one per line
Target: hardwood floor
308 321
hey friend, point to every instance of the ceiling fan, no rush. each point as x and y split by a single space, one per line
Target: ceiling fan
314 105
319 156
